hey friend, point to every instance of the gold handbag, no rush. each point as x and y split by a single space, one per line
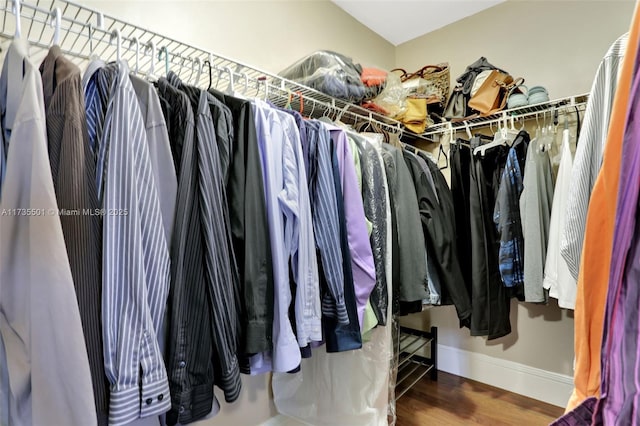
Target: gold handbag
416 118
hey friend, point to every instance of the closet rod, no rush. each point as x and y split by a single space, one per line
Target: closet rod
78 21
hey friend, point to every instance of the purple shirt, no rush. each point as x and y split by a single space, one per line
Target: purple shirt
620 386
364 272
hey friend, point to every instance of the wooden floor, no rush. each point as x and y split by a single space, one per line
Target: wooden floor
453 400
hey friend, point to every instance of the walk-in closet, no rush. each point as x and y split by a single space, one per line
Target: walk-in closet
322 212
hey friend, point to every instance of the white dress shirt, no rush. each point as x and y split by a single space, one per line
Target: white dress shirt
46 357
557 277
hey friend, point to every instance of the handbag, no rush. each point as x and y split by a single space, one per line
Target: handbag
493 93
431 82
457 106
416 118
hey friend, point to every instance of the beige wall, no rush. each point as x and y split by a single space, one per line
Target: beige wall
266 34
558 44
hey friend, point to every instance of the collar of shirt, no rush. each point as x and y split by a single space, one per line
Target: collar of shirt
93 66
11 90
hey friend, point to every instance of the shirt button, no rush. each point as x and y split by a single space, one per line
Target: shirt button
182 364
181 409
148 401
160 397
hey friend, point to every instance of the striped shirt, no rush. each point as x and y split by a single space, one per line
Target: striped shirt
73 171
325 221
220 271
299 238
189 343
135 260
588 157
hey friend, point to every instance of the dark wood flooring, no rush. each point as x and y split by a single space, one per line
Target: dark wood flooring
454 400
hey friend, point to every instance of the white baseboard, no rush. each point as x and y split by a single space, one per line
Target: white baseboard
543 385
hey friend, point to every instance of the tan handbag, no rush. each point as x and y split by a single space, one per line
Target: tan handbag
492 95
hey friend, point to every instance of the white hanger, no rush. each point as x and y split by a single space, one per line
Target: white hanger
17 10
246 82
199 74
466 127
116 34
136 42
152 63
227 69
501 138
56 23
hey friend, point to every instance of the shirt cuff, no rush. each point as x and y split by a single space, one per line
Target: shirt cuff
230 382
156 398
129 404
258 337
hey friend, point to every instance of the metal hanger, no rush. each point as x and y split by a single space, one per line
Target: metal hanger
166 58
208 63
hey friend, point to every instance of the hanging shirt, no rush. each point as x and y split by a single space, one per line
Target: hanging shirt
507 215
44 361
619 389
376 143
189 354
326 221
299 236
557 277
271 135
96 88
364 274
375 208
249 228
588 158
535 212
433 278
160 151
73 172
412 285
134 241
221 276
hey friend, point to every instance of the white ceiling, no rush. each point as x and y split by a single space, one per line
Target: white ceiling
401 21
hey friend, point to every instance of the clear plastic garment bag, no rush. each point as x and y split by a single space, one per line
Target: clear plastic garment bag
354 388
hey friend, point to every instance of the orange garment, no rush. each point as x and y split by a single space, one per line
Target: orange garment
593 279
373 76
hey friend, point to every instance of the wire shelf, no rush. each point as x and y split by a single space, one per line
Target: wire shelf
85 33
